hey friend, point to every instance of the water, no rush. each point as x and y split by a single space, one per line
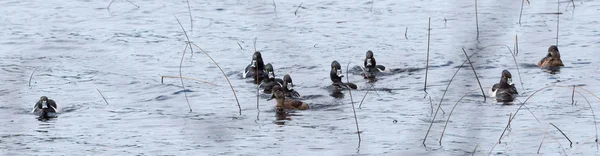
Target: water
80 46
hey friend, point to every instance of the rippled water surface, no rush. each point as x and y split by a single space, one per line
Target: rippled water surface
77 48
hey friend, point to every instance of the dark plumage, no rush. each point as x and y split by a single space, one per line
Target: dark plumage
270 80
288 87
505 91
45 108
371 68
336 78
256 68
551 60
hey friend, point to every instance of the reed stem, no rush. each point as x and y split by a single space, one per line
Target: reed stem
353 109
427 62
102 96
225 75
476 77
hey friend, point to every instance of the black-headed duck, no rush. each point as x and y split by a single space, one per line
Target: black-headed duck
371 68
288 87
284 103
256 68
45 108
505 91
270 80
336 78
552 60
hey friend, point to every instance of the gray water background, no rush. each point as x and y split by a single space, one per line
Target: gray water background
80 46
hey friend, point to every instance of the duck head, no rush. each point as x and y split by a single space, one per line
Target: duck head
279 96
44 101
369 60
336 72
269 71
506 79
257 61
553 52
287 82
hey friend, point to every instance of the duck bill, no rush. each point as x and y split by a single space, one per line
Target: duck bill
271 75
339 73
290 86
44 105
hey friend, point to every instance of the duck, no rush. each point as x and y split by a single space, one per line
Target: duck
505 91
371 69
256 68
284 103
336 78
288 87
45 108
270 80
552 60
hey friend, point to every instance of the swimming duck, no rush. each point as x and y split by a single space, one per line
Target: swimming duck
45 108
505 91
371 68
336 77
288 87
552 60
285 103
256 68
270 80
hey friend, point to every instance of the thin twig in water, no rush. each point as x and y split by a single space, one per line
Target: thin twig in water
570 142
573 96
406 33
449 115
557 19
274 6
521 14
515 114
256 76
594 115
476 77
546 132
514 59
181 77
363 99
102 96
296 12
441 100
530 112
31 76
162 77
353 109
476 19
108 7
191 19
474 150
225 75
427 62
240 45
430 103
186 36
255 44
517 45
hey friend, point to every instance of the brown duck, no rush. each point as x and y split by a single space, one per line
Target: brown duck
283 103
552 59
